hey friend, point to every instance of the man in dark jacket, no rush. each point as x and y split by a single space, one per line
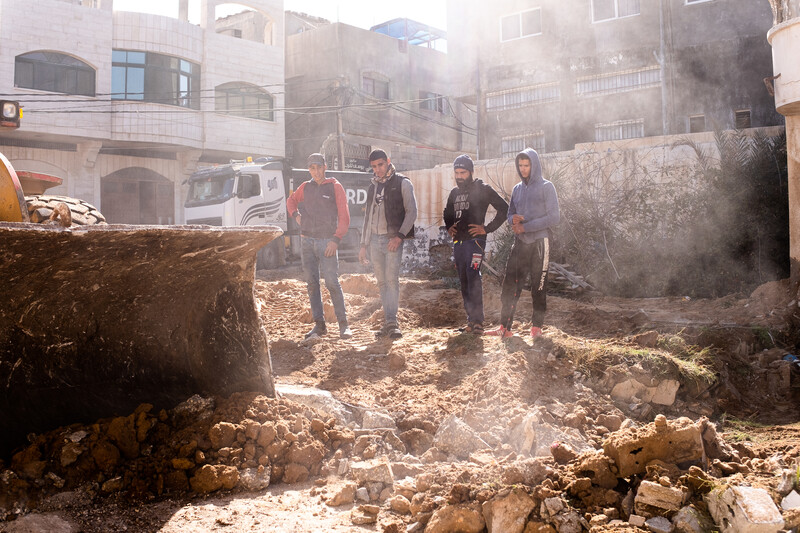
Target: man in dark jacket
532 212
389 219
464 216
320 207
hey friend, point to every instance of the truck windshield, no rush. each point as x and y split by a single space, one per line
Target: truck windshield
211 190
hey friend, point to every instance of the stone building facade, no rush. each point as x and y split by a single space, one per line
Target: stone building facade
384 91
124 106
555 73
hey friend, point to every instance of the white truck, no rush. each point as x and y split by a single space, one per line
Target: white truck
254 192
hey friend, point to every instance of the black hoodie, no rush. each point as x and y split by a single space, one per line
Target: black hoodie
468 206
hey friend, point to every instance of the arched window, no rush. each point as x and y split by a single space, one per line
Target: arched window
244 100
152 77
54 72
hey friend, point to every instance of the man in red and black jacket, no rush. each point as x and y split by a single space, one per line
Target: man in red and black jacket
319 206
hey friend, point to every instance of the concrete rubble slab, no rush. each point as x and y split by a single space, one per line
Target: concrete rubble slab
673 442
744 510
454 436
655 495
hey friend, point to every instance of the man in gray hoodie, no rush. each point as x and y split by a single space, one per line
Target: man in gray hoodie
533 210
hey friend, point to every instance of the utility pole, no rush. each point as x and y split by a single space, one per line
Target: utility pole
339 127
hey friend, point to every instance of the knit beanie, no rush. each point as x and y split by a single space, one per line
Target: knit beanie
463 161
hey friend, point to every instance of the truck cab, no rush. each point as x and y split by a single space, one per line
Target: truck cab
254 192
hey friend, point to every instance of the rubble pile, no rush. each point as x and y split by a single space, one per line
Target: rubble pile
442 431
244 442
669 475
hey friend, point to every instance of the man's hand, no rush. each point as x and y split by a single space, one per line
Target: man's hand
452 231
394 244
297 218
362 256
516 224
330 249
476 229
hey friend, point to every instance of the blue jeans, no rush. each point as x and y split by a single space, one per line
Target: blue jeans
387 273
314 262
468 256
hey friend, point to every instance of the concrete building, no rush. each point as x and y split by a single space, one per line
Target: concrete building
350 90
784 37
123 106
555 73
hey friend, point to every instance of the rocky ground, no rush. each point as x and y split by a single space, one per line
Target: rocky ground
661 414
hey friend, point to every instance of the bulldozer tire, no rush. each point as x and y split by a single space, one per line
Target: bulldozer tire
272 255
83 213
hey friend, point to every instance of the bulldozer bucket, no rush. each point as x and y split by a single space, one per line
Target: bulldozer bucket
98 319
12 199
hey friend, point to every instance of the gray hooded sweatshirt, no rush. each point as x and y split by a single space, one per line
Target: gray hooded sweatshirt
535 199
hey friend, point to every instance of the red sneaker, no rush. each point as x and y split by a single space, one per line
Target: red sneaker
536 332
499 331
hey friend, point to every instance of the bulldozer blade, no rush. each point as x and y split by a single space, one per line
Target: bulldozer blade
99 319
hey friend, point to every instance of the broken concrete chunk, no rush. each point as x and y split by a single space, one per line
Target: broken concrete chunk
553 506
691 520
253 479
456 437
346 494
665 392
377 420
655 495
509 513
659 524
362 494
372 471
743 510
633 449
636 520
464 518
791 501
570 522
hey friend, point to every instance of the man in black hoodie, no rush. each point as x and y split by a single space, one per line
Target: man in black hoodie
464 217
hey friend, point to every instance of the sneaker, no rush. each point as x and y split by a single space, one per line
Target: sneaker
382 332
536 332
477 328
393 331
344 331
499 331
318 330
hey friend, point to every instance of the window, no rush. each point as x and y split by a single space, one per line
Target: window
523 96
742 119
511 146
696 1
375 87
54 72
697 123
434 102
621 129
618 82
249 186
614 9
243 100
519 25
157 78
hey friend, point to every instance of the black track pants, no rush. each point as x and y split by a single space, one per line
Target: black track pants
526 259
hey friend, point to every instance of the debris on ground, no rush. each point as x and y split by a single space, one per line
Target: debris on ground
444 431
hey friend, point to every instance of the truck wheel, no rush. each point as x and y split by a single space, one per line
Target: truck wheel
272 255
40 208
